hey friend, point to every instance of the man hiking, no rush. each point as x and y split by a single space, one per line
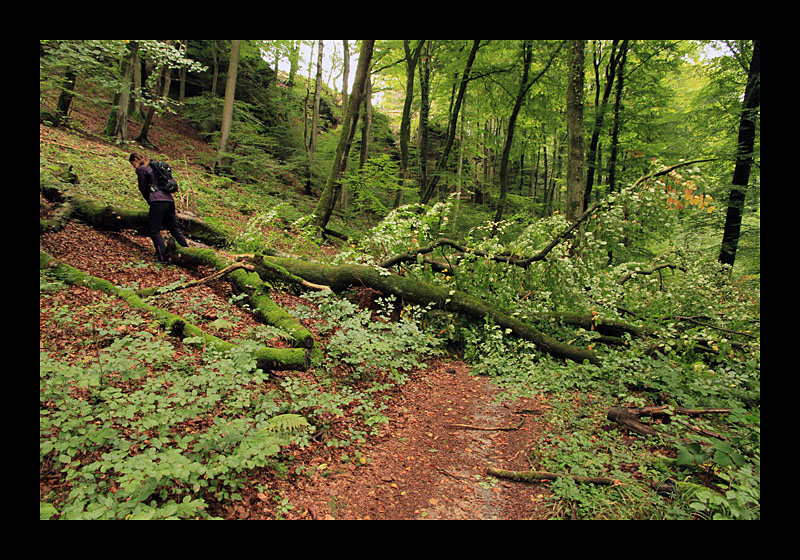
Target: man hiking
162 207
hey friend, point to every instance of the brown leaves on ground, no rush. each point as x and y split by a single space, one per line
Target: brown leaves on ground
423 464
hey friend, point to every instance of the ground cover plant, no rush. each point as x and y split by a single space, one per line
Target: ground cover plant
368 327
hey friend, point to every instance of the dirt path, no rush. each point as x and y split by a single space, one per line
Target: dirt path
423 467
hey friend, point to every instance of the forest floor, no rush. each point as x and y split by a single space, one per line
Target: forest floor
419 466
428 461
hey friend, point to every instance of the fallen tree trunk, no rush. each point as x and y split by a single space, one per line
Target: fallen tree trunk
341 277
267 358
250 283
630 417
105 216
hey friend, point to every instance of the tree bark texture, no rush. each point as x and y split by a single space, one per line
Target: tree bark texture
527 55
227 110
324 208
744 159
575 175
451 129
251 284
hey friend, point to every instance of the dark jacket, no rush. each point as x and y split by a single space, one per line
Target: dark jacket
147 178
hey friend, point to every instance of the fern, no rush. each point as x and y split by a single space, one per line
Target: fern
287 423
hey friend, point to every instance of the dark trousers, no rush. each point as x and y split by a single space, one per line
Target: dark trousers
162 214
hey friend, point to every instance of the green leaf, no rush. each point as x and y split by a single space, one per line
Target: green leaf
46 511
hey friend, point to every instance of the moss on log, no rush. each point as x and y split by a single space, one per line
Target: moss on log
106 216
344 276
267 358
250 283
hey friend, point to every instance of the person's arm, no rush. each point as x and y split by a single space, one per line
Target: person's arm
144 183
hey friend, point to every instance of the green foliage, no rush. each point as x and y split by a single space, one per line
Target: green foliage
367 346
373 186
140 433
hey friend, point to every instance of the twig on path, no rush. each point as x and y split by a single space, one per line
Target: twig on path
538 476
499 428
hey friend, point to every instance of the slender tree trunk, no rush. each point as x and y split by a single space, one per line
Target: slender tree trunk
424 108
575 131
324 208
345 75
216 58
183 72
405 124
294 61
166 75
527 56
744 159
451 129
117 126
612 163
305 105
312 145
593 154
223 162
367 127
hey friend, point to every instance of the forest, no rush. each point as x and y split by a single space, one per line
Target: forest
423 279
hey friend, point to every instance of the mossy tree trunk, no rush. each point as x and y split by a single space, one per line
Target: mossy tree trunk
341 277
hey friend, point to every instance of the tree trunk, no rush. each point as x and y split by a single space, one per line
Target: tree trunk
166 76
612 163
117 126
527 56
324 208
593 159
575 174
223 161
65 97
405 124
294 62
251 284
424 110
345 74
744 159
341 277
367 126
451 129
174 325
312 144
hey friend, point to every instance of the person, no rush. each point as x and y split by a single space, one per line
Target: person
162 207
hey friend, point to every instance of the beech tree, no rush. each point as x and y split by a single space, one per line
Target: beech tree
333 185
227 111
575 183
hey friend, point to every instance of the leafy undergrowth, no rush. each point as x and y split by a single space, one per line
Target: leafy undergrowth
136 424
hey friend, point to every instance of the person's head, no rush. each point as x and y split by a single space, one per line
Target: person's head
138 159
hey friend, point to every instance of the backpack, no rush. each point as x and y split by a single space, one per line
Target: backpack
166 182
